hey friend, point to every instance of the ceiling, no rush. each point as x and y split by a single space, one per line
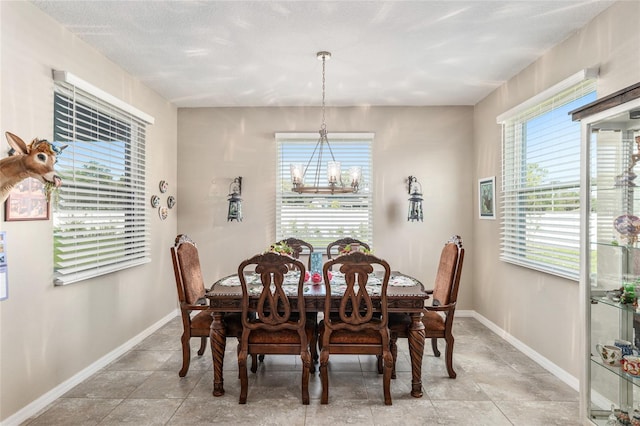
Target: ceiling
263 53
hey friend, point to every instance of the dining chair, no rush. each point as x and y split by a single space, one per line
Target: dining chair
356 330
437 318
274 330
191 297
334 248
298 247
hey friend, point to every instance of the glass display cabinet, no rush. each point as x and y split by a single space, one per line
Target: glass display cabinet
610 253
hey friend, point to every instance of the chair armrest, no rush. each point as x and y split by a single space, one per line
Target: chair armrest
195 307
441 308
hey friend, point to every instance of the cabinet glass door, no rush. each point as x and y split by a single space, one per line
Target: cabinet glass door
611 260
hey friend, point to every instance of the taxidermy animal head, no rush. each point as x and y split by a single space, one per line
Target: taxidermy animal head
35 160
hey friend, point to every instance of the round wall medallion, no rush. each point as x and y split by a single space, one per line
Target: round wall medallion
171 201
163 186
155 201
163 212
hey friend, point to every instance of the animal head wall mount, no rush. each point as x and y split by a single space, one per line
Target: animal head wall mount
35 160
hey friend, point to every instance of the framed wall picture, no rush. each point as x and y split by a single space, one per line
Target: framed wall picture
487 197
27 201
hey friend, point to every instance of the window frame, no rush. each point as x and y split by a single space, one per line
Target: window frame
538 227
343 147
107 143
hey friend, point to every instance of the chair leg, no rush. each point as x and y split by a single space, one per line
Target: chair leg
386 377
324 376
242 372
307 365
261 357
254 365
186 354
203 345
313 347
449 356
380 364
314 341
434 345
394 353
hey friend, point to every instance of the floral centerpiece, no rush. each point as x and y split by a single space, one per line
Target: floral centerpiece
281 248
352 248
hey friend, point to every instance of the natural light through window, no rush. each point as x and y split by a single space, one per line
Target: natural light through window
322 218
100 213
541 183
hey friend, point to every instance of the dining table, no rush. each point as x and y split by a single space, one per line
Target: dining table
405 294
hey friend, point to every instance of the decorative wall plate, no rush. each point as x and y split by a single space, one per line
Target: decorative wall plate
163 212
155 201
171 201
163 186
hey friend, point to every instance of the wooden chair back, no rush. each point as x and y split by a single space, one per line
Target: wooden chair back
299 246
186 267
356 305
274 308
447 282
334 248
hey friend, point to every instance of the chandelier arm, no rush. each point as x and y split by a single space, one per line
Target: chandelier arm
316 181
329 146
313 154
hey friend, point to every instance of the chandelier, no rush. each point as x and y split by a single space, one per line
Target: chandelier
334 172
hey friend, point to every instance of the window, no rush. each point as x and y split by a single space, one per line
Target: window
322 218
541 180
100 214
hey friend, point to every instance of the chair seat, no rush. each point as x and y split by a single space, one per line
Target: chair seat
433 322
261 336
201 324
366 336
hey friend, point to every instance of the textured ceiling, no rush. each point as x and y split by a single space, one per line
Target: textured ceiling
263 53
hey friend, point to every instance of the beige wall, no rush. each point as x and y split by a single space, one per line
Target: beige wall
432 143
48 334
541 310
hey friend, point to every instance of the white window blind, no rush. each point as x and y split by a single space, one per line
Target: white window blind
100 215
541 183
322 218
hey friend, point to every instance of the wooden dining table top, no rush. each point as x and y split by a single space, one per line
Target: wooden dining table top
404 293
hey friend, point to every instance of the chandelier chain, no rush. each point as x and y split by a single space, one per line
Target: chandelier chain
324 125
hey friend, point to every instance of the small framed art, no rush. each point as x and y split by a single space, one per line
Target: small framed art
27 201
487 197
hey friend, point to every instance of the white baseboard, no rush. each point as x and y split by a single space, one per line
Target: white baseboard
552 368
55 393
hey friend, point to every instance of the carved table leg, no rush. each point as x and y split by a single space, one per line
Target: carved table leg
218 343
416 348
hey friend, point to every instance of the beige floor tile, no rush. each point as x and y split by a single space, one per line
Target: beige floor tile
535 413
167 384
464 413
109 384
142 412
496 385
76 411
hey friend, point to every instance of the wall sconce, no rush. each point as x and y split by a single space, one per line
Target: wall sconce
235 202
415 201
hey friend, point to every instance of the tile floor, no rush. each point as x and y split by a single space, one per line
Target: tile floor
496 385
